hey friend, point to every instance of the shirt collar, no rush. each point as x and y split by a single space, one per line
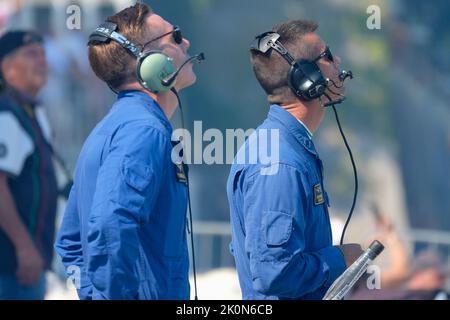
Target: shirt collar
296 128
310 135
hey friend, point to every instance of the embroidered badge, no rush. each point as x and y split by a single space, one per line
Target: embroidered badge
181 175
180 168
318 195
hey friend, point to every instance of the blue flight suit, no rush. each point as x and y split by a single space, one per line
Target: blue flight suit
281 233
124 225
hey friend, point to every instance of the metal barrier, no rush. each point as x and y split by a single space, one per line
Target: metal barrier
427 236
212 238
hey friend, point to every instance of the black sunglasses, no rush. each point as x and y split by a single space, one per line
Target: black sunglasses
325 54
176 34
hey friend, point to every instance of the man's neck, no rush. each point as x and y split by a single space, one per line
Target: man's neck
22 96
167 100
23 90
310 115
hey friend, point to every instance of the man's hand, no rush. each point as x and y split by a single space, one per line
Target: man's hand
29 265
429 279
351 252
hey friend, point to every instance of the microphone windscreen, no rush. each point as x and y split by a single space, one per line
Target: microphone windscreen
201 56
345 74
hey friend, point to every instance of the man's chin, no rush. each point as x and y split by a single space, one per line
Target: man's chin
186 82
38 85
339 91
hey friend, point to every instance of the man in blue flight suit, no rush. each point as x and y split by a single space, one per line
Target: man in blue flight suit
123 231
281 234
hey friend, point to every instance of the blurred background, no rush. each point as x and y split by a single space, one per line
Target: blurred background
396 117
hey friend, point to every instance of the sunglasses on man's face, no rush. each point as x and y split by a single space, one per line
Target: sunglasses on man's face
325 54
176 35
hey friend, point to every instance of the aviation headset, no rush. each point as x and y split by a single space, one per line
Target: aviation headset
155 70
304 77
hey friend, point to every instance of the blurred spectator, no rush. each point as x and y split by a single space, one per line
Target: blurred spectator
28 188
404 279
400 265
427 273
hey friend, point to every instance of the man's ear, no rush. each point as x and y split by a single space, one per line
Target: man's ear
5 68
2 66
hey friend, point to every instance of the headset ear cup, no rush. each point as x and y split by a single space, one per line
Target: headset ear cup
306 80
296 80
152 68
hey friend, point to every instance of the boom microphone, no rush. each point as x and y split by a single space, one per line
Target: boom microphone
342 76
333 102
170 79
345 74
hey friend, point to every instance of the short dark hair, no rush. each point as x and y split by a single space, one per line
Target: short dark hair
271 69
111 62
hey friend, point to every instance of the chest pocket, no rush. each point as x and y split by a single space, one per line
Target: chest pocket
137 177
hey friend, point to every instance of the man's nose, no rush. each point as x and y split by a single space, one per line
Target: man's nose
41 60
337 60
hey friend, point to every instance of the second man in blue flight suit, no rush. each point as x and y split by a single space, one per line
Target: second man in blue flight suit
281 234
123 231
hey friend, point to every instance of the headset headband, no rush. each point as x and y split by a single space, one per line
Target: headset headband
107 31
269 40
